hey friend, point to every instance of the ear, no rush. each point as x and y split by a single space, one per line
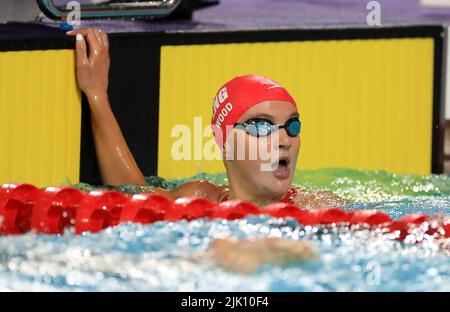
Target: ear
228 152
217 133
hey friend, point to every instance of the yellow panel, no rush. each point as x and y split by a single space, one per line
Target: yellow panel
40 118
364 104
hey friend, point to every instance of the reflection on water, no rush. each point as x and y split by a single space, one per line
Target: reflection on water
170 256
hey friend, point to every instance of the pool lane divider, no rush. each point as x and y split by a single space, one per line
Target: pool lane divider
26 208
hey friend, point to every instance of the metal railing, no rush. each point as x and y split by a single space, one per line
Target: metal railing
110 8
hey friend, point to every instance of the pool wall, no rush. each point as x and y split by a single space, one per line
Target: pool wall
369 98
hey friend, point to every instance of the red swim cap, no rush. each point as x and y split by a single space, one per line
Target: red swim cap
239 95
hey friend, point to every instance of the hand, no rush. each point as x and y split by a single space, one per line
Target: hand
92 61
247 255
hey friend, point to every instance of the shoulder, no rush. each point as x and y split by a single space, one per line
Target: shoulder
200 188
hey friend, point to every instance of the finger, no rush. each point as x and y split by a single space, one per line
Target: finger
83 31
92 39
94 45
105 39
81 50
102 37
98 36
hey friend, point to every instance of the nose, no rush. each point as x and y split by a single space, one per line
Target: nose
284 139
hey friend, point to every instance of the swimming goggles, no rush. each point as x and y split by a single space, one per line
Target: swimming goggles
259 127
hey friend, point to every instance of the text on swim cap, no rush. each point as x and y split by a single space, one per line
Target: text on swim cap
224 113
272 84
219 99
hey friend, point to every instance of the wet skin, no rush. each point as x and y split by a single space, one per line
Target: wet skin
255 178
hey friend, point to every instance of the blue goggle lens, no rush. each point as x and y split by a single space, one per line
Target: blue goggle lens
293 128
262 127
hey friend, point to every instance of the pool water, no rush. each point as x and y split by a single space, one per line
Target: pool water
171 256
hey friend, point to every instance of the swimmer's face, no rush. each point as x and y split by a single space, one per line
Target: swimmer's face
264 166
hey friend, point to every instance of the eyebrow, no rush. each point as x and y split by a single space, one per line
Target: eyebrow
264 116
271 118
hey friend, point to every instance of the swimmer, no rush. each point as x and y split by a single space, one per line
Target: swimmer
261 109
247 111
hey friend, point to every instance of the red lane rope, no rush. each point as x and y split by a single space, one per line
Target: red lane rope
25 208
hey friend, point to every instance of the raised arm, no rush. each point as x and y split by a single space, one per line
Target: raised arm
117 165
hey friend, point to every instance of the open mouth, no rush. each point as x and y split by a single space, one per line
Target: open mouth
282 162
281 168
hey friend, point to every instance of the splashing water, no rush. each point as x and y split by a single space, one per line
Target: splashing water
171 256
